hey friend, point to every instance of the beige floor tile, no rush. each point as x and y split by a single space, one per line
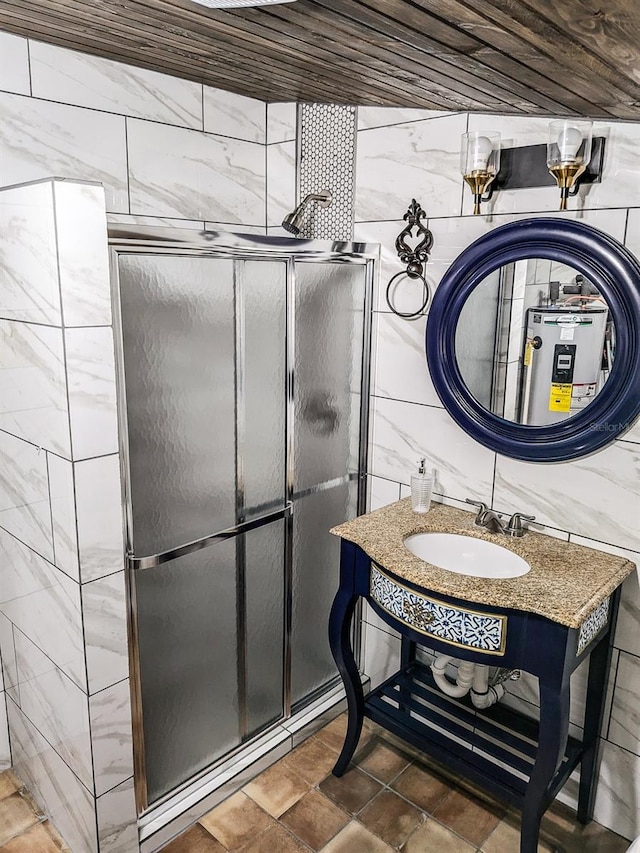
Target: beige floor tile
313 760
506 839
195 840
277 789
16 816
37 839
424 788
275 840
355 838
315 819
352 791
469 816
432 837
334 733
9 783
391 818
236 821
560 829
381 759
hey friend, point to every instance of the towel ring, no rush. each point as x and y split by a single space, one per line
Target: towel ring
414 258
427 294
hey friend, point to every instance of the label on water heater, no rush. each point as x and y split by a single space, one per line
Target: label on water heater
567 333
560 397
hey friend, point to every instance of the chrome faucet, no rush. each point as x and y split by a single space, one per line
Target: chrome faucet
492 521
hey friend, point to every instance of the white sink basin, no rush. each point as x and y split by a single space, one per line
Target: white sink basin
466 555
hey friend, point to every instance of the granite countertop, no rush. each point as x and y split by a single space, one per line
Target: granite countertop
565 584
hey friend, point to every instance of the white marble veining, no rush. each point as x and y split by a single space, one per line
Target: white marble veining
92 391
63 515
14 64
29 288
281 181
105 627
594 494
24 494
282 122
111 738
618 791
632 236
417 160
33 388
44 604
369 117
69 804
154 221
76 78
401 362
381 654
8 657
82 251
5 746
99 517
405 432
40 138
229 114
234 229
181 173
117 820
381 492
624 729
385 234
56 706
627 632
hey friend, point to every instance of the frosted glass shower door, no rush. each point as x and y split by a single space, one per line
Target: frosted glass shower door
329 318
203 345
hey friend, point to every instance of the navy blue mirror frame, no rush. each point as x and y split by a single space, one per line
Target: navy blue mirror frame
616 274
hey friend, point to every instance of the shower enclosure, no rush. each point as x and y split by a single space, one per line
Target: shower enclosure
244 371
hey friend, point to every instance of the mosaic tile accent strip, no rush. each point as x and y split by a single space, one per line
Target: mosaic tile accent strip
327 162
592 625
460 627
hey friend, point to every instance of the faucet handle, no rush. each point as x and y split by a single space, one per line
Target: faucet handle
514 527
482 509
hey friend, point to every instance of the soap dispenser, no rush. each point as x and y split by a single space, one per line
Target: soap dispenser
421 488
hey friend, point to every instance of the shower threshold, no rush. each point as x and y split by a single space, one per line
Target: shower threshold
164 822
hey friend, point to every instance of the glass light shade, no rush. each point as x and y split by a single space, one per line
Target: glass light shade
480 153
569 142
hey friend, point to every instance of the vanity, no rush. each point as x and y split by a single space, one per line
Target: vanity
545 622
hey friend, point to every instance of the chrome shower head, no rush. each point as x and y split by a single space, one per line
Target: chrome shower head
292 221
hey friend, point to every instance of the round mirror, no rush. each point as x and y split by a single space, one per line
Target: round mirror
533 339
535 342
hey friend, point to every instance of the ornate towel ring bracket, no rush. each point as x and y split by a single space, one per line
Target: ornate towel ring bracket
414 258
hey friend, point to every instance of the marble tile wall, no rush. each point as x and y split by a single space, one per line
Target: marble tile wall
62 599
405 154
166 149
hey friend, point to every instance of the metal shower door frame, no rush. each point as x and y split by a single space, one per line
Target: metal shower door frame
237 247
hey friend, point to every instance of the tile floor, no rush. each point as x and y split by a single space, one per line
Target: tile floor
389 799
23 827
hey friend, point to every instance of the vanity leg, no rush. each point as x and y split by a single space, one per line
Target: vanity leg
553 732
599 663
340 641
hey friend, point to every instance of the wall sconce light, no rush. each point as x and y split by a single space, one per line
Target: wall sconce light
479 162
568 153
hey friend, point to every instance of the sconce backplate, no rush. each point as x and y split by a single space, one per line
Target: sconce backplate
526 167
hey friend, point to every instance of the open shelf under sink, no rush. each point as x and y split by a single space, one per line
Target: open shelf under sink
495 748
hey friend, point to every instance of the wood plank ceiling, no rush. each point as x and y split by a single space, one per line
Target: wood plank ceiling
544 57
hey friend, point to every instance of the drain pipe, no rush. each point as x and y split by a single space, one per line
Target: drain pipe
471 677
483 695
464 679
